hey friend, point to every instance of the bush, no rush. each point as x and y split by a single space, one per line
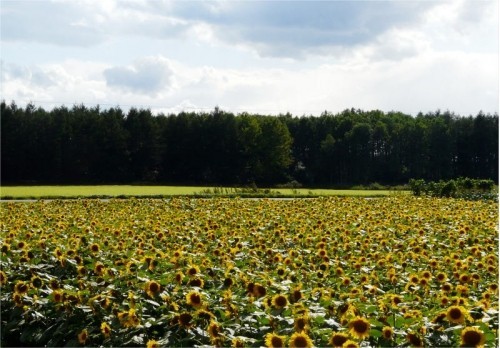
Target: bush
466 188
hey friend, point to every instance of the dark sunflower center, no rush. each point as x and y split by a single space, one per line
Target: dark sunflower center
455 313
360 326
276 342
300 342
472 338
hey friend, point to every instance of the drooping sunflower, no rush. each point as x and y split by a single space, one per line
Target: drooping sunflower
359 327
105 329
3 278
472 337
338 339
194 298
273 340
237 342
214 330
300 340
414 339
82 336
301 323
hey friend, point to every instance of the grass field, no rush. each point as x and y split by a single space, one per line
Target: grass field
20 192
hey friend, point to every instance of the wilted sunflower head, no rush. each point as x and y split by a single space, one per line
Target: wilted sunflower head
472 337
414 340
185 319
273 340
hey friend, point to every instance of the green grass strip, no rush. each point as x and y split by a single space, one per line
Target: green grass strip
21 192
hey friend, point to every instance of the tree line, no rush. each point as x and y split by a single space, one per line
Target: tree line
80 144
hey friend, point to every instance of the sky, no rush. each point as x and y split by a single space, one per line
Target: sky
265 57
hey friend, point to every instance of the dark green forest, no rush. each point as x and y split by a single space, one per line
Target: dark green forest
90 145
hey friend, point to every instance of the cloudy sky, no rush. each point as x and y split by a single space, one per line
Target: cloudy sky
267 57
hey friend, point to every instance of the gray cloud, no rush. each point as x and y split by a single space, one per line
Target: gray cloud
34 75
272 28
48 22
291 28
148 76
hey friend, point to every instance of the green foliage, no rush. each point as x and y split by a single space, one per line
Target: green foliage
460 188
82 145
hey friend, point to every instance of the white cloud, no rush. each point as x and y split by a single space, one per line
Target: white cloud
148 75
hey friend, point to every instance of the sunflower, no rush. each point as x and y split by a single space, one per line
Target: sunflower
414 340
99 268
179 276
259 290
204 314
3 278
194 299
105 329
350 344
82 336
237 342
58 296
196 282
456 314
441 277
300 340
301 323
273 340
152 288
193 270
338 339
359 327
21 287
387 332
214 330
472 337
152 344
94 248
185 320
296 295
279 301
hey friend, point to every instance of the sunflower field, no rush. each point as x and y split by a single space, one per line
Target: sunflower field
184 272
